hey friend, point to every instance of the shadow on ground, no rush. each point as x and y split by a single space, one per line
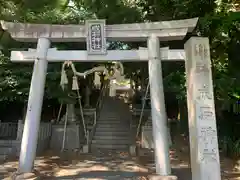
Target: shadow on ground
182 174
113 165
105 175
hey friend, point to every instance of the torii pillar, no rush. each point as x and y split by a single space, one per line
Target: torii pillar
34 109
158 110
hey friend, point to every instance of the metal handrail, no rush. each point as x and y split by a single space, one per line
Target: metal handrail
102 94
142 110
96 113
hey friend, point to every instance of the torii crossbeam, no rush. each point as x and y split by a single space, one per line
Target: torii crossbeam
53 55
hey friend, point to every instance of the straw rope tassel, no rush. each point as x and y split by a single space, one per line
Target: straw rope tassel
97 80
64 79
75 83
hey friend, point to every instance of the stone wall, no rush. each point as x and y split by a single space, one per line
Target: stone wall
8 130
147 135
51 137
44 136
73 137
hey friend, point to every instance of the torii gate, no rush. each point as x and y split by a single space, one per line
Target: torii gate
202 121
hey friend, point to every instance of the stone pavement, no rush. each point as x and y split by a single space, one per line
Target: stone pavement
107 165
101 165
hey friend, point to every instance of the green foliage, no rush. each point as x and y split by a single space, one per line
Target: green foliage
175 83
15 80
230 146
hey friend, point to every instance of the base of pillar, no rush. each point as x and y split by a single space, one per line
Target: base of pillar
25 176
132 150
85 149
159 177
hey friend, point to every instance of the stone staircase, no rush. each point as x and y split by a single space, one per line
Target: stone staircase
113 126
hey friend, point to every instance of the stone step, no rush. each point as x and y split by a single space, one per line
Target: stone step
111 141
112 110
111 137
106 110
104 120
109 146
111 129
6 150
105 125
114 124
114 133
111 121
106 116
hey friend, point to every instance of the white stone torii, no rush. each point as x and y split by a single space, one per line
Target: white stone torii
202 121
164 30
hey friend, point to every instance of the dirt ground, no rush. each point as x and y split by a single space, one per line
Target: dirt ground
112 165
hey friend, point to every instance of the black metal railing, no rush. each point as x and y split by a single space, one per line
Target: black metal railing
99 104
